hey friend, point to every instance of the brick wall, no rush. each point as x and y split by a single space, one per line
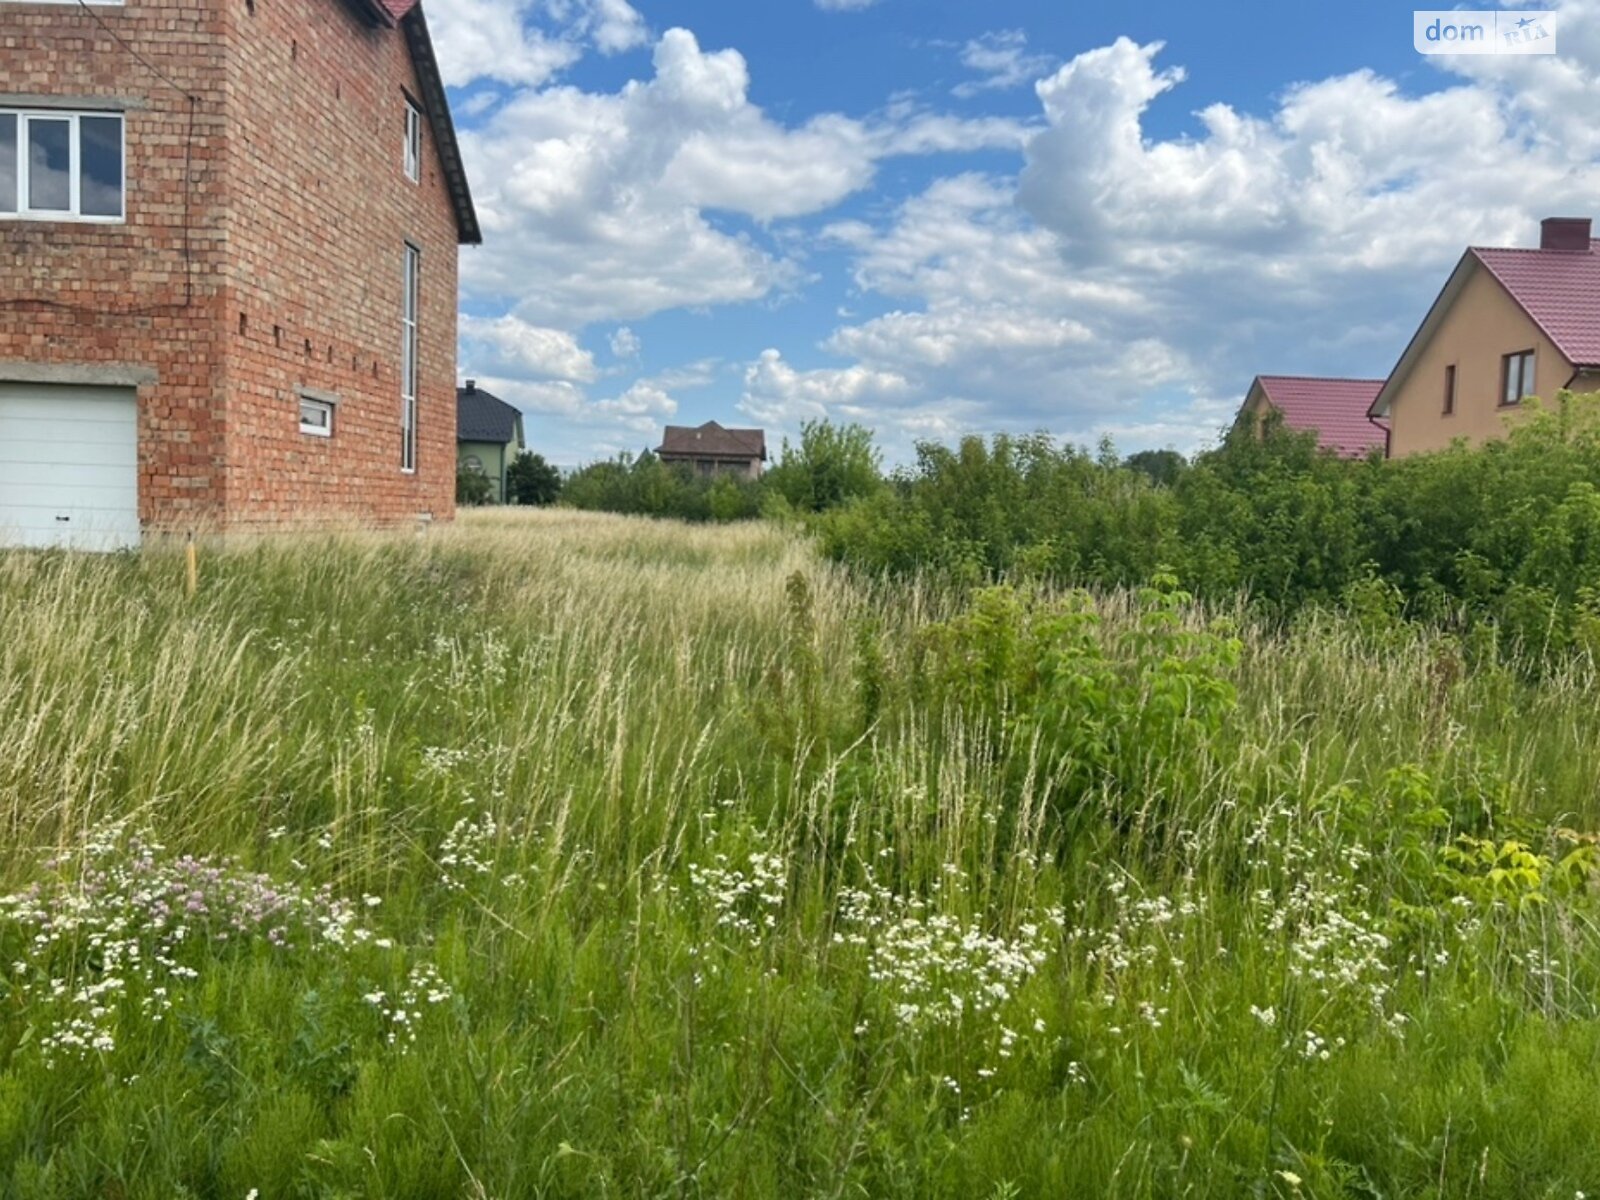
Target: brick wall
276 264
322 212
148 291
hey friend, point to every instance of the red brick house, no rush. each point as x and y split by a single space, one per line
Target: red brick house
228 254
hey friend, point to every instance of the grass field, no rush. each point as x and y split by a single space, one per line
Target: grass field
564 855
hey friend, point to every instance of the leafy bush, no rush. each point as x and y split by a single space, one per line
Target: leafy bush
531 480
472 487
831 465
645 486
1500 544
1125 711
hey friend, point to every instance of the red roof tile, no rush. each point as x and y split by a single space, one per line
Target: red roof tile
1336 409
1559 289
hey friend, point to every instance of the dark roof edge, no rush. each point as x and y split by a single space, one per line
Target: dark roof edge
377 13
444 130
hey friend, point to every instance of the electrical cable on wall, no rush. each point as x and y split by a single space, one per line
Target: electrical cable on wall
188 189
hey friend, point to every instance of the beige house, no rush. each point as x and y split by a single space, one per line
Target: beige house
1510 324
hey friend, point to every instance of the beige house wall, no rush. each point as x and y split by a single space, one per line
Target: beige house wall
1480 328
1256 409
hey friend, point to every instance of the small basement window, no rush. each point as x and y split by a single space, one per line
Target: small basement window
316 416
413 142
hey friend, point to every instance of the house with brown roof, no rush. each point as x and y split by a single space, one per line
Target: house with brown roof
712 449
1334 409
228 255
1509 324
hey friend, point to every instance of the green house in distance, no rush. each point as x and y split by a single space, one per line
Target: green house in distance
488 435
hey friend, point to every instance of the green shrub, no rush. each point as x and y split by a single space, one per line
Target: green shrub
531 480
472 487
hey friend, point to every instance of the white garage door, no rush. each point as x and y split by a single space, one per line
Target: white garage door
69 467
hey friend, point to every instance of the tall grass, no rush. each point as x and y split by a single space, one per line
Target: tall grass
557 854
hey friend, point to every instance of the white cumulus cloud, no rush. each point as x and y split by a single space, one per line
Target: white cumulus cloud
528 42
625 343
1001 60
1111 281
508 342
1126 284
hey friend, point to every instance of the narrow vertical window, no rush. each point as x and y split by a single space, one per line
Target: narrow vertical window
8 162
49 155
413 142
408 361
1450 389
100 166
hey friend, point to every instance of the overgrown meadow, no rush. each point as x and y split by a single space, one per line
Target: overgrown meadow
557 854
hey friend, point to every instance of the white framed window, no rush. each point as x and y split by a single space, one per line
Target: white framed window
408 359
316 417
57 165
413 142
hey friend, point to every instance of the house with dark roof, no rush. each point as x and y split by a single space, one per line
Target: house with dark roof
1336 410
228 256
712 449
488 436
1509 324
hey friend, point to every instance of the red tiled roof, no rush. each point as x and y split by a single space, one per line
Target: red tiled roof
1336 409
398 8
1559 289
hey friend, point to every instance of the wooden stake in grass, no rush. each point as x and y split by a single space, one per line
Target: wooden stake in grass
192 565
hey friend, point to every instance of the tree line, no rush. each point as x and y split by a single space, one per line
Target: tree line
1500 541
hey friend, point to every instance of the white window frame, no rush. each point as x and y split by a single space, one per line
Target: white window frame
413 163
411 274
23 211
325 407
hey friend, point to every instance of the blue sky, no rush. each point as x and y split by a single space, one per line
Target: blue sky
938 217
